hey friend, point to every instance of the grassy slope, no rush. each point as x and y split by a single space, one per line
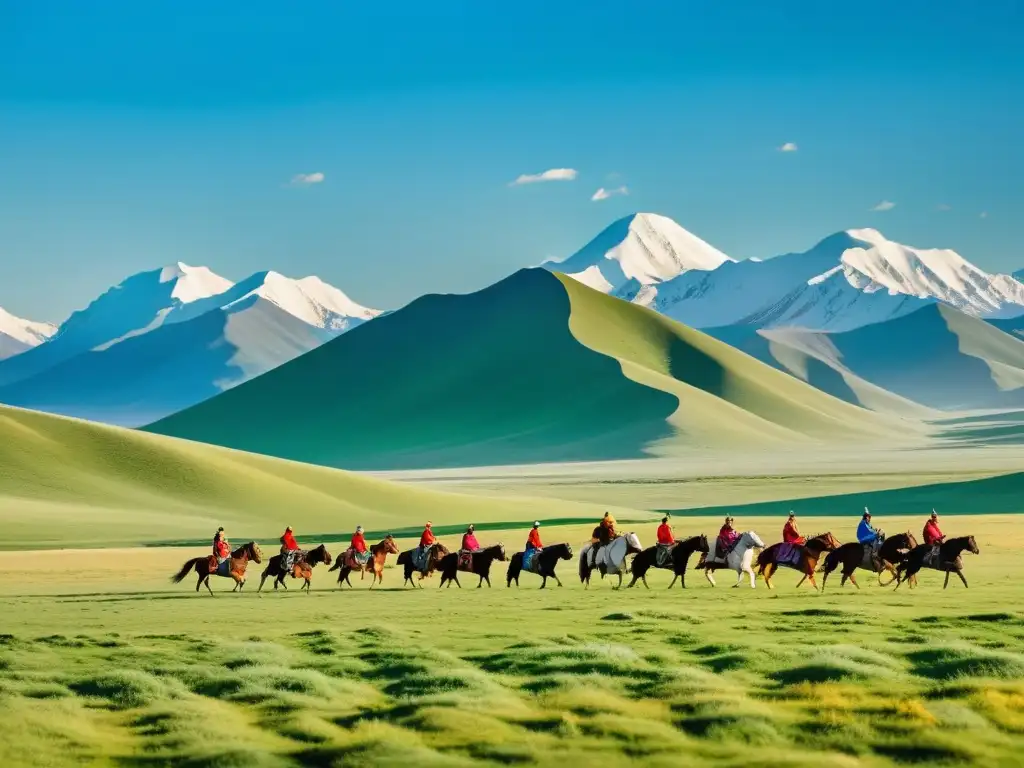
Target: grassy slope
724 395
936 357
65 482
134 671
501 377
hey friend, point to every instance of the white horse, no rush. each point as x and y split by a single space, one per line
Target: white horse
612 556
739 559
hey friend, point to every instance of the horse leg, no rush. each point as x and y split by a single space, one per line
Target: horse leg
945 583
644 580
481 583
543 583
682 578
960 573
853 580
206 581
263 578
811 577
557 580
619 585
769 569
709 577
199 583
673 581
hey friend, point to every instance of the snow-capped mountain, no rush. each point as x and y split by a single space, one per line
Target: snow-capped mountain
169 338
18 335
637 251
847 280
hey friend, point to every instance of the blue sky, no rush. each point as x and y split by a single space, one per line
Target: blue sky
137 134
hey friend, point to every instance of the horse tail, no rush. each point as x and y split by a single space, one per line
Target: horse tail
515 567
180 575
584 565
337 564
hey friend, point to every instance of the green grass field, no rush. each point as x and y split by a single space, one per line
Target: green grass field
105 663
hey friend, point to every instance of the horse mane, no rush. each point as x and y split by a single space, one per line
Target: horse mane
242 550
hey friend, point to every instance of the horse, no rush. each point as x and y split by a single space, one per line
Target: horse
544 563
611 558
479 563
303 567
234 566
854 555
738 559
948 559
679 558
436 553
378 554
803 558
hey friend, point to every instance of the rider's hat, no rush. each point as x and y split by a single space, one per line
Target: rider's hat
359 529
792 515
664 519
728 518
472 527
428 523
288 528
867 512
220 530
934 513
536 524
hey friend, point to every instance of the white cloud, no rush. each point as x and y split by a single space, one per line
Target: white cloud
552 174
984 214
885 205
305 179
604 194
789 146
944 207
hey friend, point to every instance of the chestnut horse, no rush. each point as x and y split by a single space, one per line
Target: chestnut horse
948 559
480 564
808 555
852 556
233 567
375 565
436 554
303 567
680 553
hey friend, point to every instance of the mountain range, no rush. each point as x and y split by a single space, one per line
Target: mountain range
900 331
165 339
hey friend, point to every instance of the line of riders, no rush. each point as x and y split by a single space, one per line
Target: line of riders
603 534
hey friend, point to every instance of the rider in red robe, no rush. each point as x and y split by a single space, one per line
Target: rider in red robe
665 537
427 538
359 541
932 535
790 534
533 540
469 542
288 543
221 550
727 536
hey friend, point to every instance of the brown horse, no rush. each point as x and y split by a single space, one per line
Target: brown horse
233 567
948 559
807 556
853 555
375 565
437 553
301 568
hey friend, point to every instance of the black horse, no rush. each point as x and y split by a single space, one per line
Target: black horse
545 564
680 558
948 559
305 562
436 554
481 565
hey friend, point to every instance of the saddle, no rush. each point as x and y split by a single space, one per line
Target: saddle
465 561
663 555
355 561
531 560
420 558
789 554
866 561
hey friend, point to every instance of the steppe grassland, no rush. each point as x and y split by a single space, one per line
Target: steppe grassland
104 662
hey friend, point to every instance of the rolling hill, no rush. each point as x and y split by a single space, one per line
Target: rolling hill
71 483
936 357
536 368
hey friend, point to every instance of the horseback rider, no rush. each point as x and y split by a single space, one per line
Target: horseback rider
221 550
790 534
359 548
427 540
603 534
469 542
533 540
933 536
871 538
289 549
727 538
665 537
533 545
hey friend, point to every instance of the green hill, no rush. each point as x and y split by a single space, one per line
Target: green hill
536 368
70 483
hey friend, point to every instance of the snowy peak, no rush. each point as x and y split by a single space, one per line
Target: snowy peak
192 283
639 250
24 332
310 299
